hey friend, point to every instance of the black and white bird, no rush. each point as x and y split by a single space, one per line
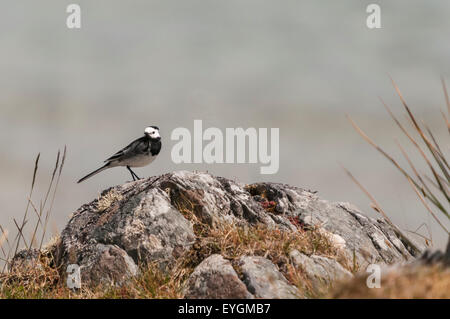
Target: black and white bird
138 153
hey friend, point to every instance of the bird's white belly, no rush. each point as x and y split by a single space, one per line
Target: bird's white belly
139 161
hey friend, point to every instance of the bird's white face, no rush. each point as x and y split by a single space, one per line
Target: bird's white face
152 132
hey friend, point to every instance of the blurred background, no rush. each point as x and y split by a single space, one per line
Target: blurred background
296 65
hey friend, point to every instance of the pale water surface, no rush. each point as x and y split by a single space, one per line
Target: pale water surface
296 65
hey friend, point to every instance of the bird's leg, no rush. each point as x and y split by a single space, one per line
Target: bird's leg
133 174
137 177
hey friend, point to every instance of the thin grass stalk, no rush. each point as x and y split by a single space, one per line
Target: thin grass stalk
9 253
3 238
380 210
433 183
47 194
375 203
53 196
427 240
428 207
52 179
391 159
424 138
20 230
441 161
6 233
436 145
29 196
414 170
429 193
378 148
446 121
39 222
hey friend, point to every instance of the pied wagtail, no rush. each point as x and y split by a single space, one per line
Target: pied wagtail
138 153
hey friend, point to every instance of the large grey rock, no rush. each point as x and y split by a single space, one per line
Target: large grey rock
145 221
321 271
215 198
264 280
143 224
368 240
215 278
106 264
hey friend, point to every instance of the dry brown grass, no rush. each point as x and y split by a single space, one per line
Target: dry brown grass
46 283
33 279
410 282
229 240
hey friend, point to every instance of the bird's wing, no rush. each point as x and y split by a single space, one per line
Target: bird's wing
137 146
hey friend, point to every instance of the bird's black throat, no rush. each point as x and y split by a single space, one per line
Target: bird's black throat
154 145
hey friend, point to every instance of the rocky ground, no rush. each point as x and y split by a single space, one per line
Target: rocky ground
211 237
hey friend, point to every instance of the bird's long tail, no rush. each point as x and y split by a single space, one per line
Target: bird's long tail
94 172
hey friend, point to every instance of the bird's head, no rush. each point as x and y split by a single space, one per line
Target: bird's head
152 132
